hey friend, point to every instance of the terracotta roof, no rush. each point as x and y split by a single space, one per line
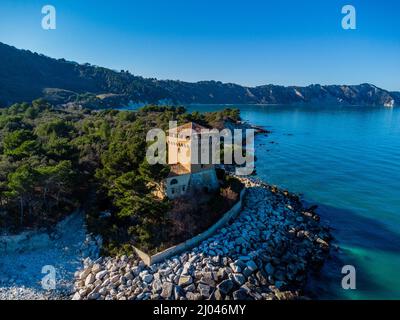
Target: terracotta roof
190 126
177 169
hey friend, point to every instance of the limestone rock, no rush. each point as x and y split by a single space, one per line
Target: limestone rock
90 279
185 280
204 290
225 286
266 244
238 278
167 290
100 275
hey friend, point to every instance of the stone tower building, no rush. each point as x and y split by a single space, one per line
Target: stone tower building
190 171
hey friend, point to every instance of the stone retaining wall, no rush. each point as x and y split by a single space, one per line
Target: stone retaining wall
188 244
264 253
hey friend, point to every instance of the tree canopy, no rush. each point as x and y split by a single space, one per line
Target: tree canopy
53 161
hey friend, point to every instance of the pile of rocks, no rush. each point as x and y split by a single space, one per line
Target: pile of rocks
265 253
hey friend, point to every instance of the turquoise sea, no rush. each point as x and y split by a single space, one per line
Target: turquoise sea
346 160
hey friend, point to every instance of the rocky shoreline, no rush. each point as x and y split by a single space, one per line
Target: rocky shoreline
266 253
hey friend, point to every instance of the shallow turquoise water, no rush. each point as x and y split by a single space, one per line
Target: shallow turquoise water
346 160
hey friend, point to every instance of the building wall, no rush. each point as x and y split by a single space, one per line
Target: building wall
177 186
204 180
188 152
179 151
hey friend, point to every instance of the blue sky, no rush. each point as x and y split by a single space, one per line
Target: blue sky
249 42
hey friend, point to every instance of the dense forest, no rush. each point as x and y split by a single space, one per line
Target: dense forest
25 76
54 161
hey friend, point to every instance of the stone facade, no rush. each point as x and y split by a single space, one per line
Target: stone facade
186 184
189 173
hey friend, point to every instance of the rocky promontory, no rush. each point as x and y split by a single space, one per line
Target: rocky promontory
266 253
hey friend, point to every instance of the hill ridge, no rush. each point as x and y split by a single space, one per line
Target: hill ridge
25 76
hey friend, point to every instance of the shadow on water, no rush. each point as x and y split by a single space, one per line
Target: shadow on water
352 230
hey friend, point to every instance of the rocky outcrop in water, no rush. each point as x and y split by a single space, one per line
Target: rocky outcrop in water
265 253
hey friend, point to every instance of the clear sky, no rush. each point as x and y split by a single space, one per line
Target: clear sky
288 42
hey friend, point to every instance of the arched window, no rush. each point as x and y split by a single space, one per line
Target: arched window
174 181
